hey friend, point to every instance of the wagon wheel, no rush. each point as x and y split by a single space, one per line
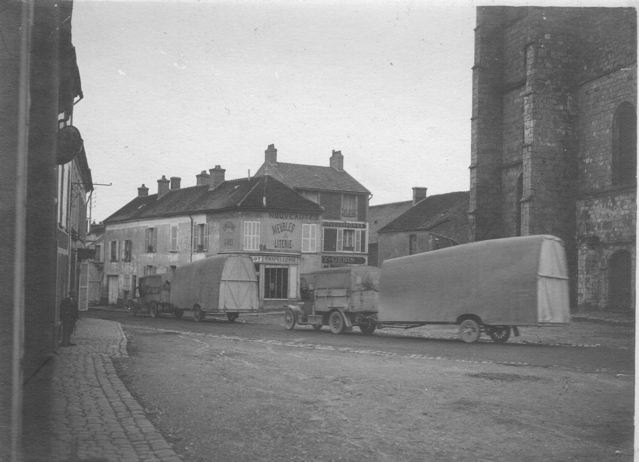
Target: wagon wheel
155 310
232 316
499 334
336 322
367 326
290 319
198 314
178 313
469 330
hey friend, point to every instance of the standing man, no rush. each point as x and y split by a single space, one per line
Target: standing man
69 314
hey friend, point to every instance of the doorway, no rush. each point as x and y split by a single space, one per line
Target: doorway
620 281
113 290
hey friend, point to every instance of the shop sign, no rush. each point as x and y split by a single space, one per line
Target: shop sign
343 260
342 224
279 259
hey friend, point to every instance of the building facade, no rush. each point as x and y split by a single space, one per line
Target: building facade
343 234
260 217
554 139
434 222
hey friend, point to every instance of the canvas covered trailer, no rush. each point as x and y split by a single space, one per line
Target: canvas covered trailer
488 286
222 284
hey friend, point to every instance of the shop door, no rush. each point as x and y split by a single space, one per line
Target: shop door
276 282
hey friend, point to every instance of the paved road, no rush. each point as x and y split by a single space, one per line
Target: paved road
584 347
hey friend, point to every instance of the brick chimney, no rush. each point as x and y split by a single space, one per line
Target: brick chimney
217 176
270 155
175 182
143 191
419 194
163 186
202 178
337 160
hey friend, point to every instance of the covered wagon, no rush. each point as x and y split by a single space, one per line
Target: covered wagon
220 285
490 286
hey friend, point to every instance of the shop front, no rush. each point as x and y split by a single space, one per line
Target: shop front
278 278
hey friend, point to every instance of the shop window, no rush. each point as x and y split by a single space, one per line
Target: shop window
201 241
620 281
309 238
128 250
251 235
624 145
349 205
150 240
276 282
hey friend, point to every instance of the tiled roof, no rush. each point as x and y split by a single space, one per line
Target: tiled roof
445 214
315 177
382 214
244 194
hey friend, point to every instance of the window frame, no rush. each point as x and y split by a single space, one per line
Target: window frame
309 237
251 235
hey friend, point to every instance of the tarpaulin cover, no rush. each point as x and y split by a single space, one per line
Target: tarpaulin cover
219 283
510 281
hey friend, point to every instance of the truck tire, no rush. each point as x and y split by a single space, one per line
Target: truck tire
290 319
498 334
155 310
336 322
198 314
469 330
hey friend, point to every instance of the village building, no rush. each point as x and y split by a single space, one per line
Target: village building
434 222
260 217
382 214
554 142
343 233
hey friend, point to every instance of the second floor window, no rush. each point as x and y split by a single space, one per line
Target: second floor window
309 238
251 235
344 240
150 240
174 239
128 250
349 205
201 241
114 250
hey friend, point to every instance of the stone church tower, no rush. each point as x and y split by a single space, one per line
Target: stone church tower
554 139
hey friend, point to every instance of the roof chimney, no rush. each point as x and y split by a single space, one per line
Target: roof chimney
143 191
217 176
419 194
175 182
337 160
270 155
163 186
202 178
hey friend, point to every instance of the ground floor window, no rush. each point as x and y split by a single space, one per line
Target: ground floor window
276 282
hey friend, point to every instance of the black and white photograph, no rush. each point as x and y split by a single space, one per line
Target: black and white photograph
318 230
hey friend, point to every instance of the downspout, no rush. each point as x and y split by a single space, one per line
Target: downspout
191 240
20 232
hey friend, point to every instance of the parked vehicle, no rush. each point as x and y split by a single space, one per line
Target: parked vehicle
337 297
492 287
220 285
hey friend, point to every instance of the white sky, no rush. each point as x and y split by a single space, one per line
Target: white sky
174 88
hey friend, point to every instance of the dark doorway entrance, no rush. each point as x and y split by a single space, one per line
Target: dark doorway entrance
620 281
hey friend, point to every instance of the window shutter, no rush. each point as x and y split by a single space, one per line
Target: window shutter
155 240
147 242
205 244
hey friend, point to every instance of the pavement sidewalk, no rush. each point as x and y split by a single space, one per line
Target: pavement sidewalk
77 409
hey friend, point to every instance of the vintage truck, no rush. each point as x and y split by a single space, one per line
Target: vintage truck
222 285
492 287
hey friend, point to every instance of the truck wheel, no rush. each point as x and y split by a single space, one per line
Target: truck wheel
469 330
232 316
336 322
155 310
498 334
290 319
178 313
198 314
367 327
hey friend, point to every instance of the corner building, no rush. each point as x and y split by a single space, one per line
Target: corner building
554 139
